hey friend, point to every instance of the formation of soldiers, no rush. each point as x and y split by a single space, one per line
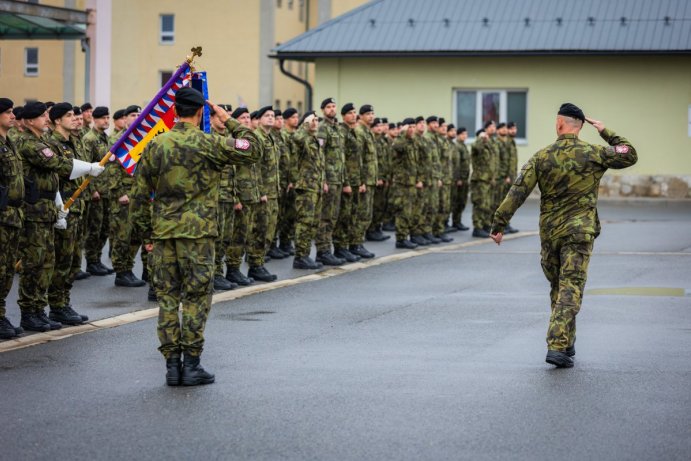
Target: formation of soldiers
318 179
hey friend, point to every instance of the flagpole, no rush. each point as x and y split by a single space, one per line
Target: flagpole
196 51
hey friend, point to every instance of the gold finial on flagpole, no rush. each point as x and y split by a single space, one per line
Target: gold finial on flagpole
196 51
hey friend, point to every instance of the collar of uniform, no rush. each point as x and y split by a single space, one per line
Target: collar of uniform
568 136
184 126
60 138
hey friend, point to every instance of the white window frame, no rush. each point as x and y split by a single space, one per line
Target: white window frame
503 98
31 70
166 34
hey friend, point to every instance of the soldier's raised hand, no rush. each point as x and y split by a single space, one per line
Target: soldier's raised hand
218 110
599 126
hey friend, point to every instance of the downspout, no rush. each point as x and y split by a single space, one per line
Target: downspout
86 48
305 83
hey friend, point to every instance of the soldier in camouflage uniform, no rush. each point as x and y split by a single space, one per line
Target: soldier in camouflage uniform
568 173
343 234
430 173
511 168
11 214
87 111
375 231
331 138
43 209
98 219
286 229
394 129
461 172
364 200
405 183
182 168
310 185
445 168
279 138
483 180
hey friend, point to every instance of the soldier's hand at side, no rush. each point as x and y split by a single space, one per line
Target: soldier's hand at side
380 182
599 126
223 116
507 180
124 200
263 199
149 247
497 237
347 190
419 185
237 206
325 188
95 197
362 189
459 183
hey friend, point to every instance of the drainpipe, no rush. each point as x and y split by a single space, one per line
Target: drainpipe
305 83
86 48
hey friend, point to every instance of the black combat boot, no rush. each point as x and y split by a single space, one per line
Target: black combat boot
96 269
110 270
328 259
7 330
32 322
570 351
461 227
450 229
174 373
419 240
234 275
406 244
480 233
221 284
275 253
128 279
343 253
434 240
192 372
305 262
260 273
54 325
145 275
361 251
81 275
510 230
559 359
287 248
445 238
151 295
65 315
389 227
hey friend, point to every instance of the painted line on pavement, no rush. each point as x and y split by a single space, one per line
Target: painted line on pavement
144 314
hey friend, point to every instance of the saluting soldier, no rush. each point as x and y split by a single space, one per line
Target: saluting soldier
483 180
512 165
286 226
280 140
375 232
568 173
182 168
445 168
405 183
461 172
364 199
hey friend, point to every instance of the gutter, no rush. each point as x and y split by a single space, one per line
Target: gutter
305 83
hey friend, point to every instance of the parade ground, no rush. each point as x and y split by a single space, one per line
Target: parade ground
427 354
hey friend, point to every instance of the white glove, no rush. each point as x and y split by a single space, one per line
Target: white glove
62 211
96 169
81 168
61 224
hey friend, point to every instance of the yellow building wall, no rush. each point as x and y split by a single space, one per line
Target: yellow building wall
645 99
338 7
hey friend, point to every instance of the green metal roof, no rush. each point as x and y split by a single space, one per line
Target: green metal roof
22 21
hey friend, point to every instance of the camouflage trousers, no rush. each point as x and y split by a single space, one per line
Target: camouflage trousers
331 207
481 194
9 245
363 206
242 228
444 210
308 213
182 273
262 231
381 199
226 218
97 226
286 217
343 231
459 200
66 242
402 204
427 210
565 264
500 191
37 252
123 240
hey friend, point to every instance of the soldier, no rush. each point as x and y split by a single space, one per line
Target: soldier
343 235
331 139
364 199
98 218
483 180
266 214
375 232
405 182
76 136
280 139
461 170
310 183
124 243
421 202
512 165
568 173
87 118
182 168
43 210
445 168
119 121
11 214
391 136
14 133
291 120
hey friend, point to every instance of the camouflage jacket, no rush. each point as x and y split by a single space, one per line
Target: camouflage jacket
513 158
404 162
446 153
427 158
482 158
96 146
383 157
504 154
367 147
182 168
334 157
461 162
281 141
286 165
309 162
226 187
353 159
268 165
11 185
568 173
69 148
118 180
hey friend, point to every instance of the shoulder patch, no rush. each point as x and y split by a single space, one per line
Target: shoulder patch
242 144
321 142
47 152
621 149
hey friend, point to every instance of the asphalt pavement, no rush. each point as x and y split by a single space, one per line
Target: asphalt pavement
440 356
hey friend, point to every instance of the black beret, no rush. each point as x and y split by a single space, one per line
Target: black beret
239 111
392 126
328 101
461 129
86 106
481 130
263 110
399 124
442 120
488 123
59 110
419 119
570 110
366 108
277 112
18 112
76 109
347 108
134 108
501 125
49 104
306 114
432 118
510 124
385 120
189 97
376 121
289 112
409 121
100 111
119 114
5 104
253 115
451 126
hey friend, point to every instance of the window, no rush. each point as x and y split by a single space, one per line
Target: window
278 3
167 29
289 104
290 4
302 11
35 2
475 107
31 62
277 104
165 76
299 108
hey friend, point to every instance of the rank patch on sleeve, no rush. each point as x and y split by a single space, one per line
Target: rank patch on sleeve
47 152
242 144
621 149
